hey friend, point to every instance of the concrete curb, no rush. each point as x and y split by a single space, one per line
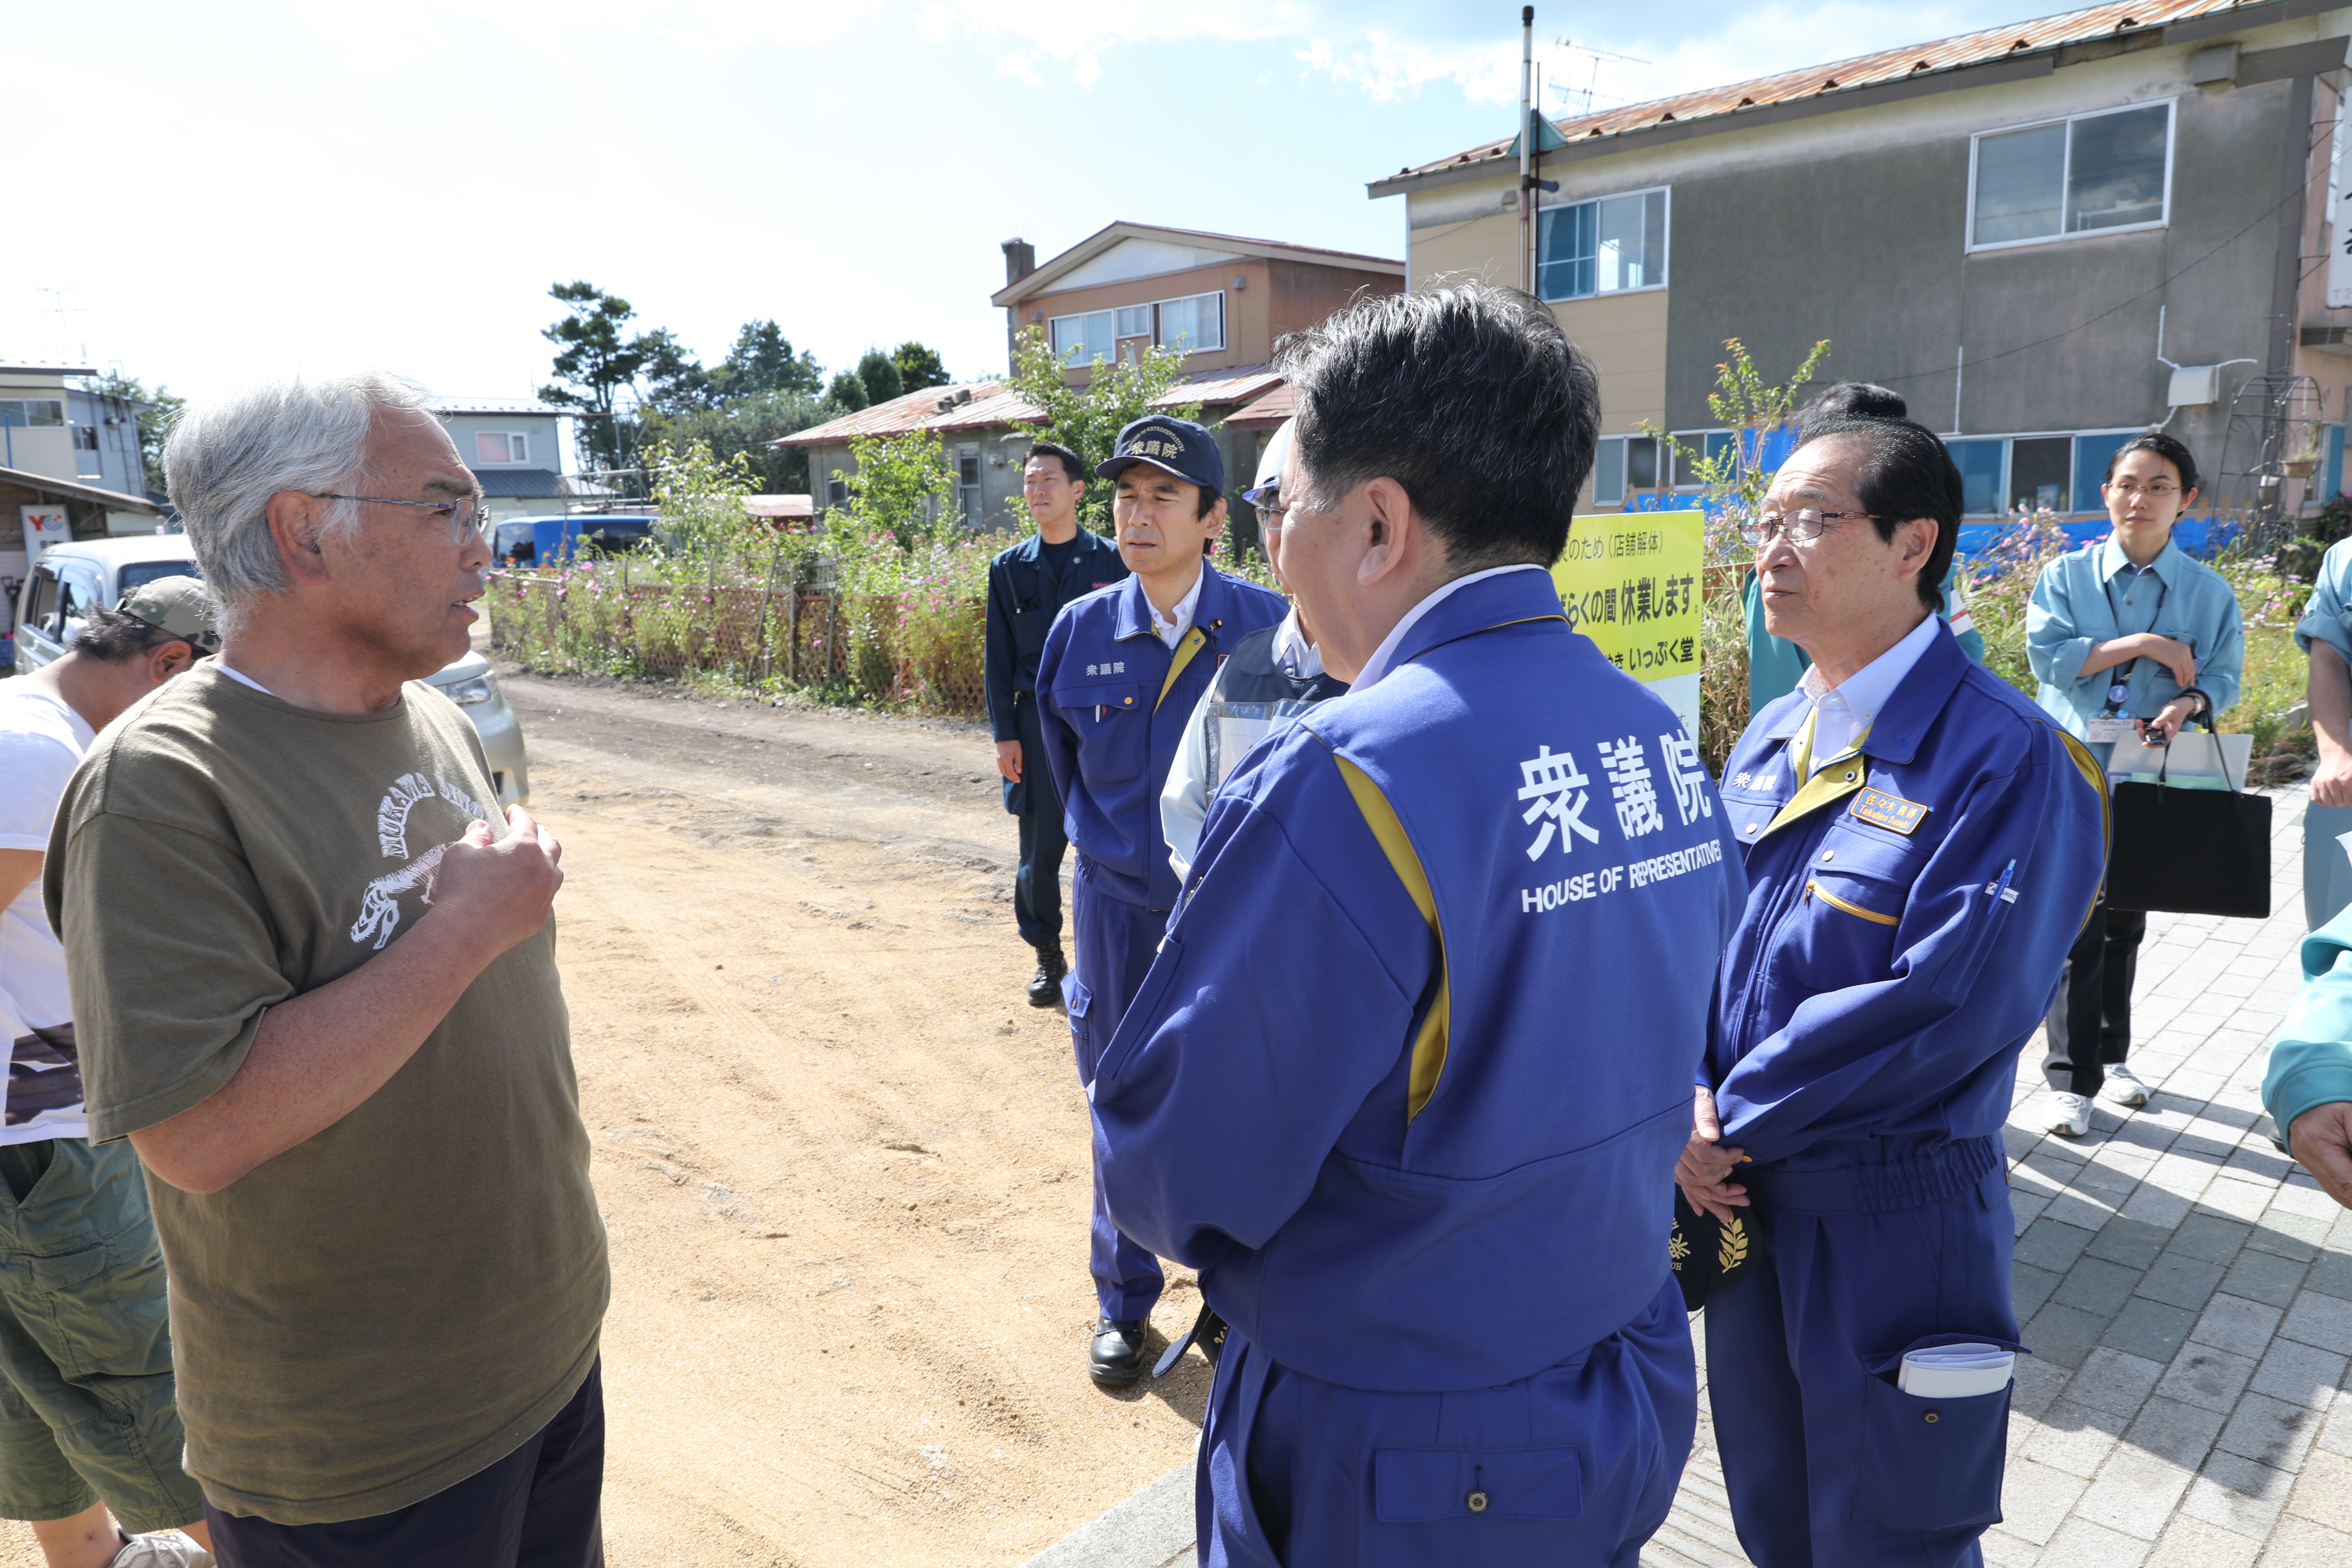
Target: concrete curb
1153 1529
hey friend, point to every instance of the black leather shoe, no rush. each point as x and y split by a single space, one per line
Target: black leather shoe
1045 986
1115 1360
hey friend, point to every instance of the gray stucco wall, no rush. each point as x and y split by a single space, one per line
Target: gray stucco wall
1866 249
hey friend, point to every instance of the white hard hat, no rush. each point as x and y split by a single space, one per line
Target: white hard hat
1269 463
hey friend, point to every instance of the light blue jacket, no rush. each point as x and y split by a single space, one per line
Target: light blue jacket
2328 616
2312 1063
2088 596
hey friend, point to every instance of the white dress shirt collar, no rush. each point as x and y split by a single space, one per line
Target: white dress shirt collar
1297 657
1171 629
1843 714
1378 665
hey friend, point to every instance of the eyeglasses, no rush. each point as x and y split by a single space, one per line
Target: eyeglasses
1800 527
2155 490
464 514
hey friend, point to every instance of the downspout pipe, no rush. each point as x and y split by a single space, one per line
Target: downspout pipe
1526 148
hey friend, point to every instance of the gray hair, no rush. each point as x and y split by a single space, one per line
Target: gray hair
1470 396
228 455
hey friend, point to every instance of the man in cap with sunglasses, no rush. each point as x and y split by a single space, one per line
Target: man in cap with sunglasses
89 1428
343 1060
1922 845
1123 669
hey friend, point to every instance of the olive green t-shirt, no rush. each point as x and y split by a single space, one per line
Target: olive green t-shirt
400 1301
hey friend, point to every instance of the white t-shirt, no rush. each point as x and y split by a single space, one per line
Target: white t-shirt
41 742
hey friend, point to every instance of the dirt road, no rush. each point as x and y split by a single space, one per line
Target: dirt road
844 1164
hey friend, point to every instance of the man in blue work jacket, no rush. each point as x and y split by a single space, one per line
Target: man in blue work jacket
1027 586
1922 844
1122 670
1407 1080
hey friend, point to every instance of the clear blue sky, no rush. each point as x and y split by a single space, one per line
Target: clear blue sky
229 190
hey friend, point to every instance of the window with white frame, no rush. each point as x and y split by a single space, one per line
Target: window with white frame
1081 340
32 413
501 447
968 497
1624 466
2094 173
1604 247
1194 324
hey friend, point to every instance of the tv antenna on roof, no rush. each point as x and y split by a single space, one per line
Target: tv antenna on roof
1588 94
63 310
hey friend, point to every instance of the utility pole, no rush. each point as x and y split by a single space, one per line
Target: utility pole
1527 149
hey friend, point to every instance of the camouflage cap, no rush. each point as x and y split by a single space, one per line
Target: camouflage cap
178 606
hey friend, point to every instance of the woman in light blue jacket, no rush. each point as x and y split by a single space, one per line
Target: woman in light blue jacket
2129 637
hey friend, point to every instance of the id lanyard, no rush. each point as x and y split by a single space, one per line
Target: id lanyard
2119 683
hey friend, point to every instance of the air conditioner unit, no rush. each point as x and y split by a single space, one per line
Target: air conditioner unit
2194 385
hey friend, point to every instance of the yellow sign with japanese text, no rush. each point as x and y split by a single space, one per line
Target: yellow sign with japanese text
1630 582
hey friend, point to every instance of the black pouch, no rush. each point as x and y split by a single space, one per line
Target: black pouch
1707 1254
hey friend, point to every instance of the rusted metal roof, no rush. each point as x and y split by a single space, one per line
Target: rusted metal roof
967 406
1268 411
113 500
1216 388
2018 41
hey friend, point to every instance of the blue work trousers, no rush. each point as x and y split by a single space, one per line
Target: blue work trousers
1573 1468
1829 1464
1114 943
1037 883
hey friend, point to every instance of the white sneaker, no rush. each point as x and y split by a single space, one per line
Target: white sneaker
165 1548
2069 1114
2125 1087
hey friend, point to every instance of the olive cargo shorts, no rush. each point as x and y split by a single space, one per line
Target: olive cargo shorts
87 1408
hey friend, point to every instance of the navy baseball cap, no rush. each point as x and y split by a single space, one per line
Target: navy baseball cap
1176 446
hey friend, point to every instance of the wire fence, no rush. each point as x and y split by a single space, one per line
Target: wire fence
867 647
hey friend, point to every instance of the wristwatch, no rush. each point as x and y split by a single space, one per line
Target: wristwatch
2204 704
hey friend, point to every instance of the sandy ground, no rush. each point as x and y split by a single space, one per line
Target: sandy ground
844 1164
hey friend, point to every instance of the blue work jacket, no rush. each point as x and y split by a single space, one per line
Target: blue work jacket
1409 1075
1114 701
1907 918
1024 597
2088 595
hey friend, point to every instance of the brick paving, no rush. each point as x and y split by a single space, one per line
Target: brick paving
2186 1288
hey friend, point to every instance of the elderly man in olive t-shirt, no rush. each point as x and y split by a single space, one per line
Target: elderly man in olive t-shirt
313 970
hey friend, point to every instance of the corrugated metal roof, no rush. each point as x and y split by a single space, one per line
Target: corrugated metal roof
1218 387
113 500
1268 411
954 407
987 405
2017 40
519 484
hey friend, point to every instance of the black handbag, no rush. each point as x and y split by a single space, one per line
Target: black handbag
2190 851
1707 1254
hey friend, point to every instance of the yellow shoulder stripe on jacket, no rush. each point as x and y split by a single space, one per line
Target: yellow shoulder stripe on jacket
1194 641
2096 778
1429 1043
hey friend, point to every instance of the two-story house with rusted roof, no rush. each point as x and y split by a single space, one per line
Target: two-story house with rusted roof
1221 301
2047 236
